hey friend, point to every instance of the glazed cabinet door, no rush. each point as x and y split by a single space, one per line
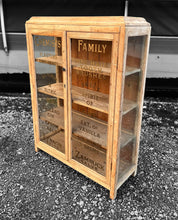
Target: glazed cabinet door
92 63
51 92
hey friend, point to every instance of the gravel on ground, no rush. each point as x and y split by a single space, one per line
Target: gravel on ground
38 186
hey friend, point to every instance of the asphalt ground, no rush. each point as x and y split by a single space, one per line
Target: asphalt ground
38 186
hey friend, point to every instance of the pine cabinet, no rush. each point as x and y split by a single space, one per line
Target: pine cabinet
87 77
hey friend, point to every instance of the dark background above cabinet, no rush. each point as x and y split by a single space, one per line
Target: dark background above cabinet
162 14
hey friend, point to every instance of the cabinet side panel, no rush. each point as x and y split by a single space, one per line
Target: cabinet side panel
140 98
134 84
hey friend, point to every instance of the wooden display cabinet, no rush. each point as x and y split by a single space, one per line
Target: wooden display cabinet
87 78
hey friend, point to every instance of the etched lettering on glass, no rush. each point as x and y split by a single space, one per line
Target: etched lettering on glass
54 143
89 156
90 98
91 75
91 47
42 41
88 162
87 127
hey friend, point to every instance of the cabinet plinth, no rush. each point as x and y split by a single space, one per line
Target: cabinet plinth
87 87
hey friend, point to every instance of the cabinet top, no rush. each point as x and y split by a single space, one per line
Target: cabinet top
93 21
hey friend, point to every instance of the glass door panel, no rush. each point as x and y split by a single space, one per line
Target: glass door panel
49 77
90 86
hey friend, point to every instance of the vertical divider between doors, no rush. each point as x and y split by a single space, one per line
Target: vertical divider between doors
111 104
58 75
117 115
65 89
69 100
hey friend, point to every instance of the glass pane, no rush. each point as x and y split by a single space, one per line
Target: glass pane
133 76
51 122
91 70
125 162
134 54
49 78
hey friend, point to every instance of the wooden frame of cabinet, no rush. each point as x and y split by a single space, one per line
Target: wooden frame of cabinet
91 92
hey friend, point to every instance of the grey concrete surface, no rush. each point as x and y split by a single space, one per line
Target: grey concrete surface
37 186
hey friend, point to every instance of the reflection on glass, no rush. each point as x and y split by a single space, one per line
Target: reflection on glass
50 91
126 158
91 70
133 74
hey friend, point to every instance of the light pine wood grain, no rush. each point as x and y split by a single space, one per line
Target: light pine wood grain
99 92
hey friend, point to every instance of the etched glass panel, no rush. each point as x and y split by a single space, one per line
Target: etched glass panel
49 77
90 73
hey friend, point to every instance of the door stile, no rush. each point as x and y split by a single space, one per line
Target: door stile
69 104
65 88
112 97
33 85
117 115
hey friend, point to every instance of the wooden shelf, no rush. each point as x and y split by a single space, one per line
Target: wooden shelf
54 116
125 170
131 70
86 97
83 126
89 98
52 60
86 65
91 156
55 139
126 137
128 106
91 129
123 166
97 100
55 89
49 134
95 157
79 64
